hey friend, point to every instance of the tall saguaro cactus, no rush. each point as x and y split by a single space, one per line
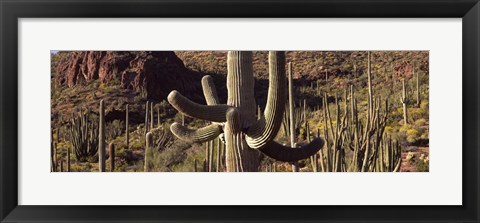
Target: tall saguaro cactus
148 150
151 115
101 138
244 134
111 150
126 128
418 86
146 118
404 101
291 111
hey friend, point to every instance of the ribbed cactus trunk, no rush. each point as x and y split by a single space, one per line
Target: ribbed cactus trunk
151 115
236 121
418 87
158 116
68 159
240 84
101 138
127 136
404 101
111 150
290 109
52 153
369 76
146 118
148 151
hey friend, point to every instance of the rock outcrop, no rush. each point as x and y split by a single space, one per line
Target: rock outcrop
154 73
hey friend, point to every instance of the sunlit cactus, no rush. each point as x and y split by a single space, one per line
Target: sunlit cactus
244 133
148 150
101 137
83 133
127 137
404 100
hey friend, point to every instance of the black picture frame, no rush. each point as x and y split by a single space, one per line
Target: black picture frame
11 11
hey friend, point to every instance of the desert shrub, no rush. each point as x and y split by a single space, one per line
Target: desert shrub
420 122
422 166
165 160
114 129
412 135
409 133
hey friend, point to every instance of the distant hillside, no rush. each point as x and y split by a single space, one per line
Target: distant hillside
312 65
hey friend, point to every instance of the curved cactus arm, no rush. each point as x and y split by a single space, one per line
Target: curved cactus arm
209 90
233 123
213 113
200 135
288 154
266 128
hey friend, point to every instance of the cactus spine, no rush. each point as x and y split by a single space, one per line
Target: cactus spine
244 134
111 150
101 138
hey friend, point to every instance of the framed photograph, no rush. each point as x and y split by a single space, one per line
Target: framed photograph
223 111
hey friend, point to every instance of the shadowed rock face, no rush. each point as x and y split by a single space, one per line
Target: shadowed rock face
156 73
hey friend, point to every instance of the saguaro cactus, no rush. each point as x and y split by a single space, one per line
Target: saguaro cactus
84 137
291 111
158 116
68 159
146 118
369 76
404 101
151 115
244 134
148 149
418 86
111 150
101 138
52 154
127 140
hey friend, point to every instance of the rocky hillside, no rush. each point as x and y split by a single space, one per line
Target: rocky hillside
311 65
81 78
154 74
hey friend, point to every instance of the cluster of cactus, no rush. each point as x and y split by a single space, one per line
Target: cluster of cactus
84 136
214 156
371 149
164 139
57 162
150 117
244 134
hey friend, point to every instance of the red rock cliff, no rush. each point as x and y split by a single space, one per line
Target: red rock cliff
156 72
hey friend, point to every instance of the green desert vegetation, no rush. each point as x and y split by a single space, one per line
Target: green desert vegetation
295 111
